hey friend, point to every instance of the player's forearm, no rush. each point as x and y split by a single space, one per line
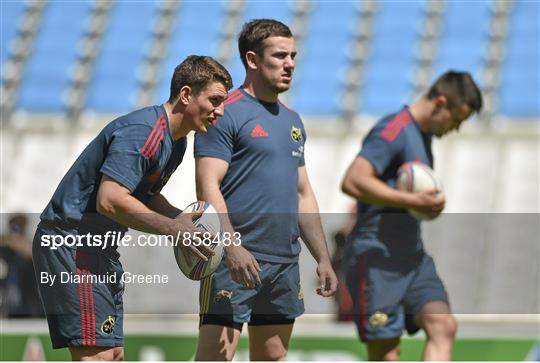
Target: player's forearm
132 213
211 193
372 190
311 229
158 203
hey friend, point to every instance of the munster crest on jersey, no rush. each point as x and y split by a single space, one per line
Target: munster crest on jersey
108 325
378 319
296 134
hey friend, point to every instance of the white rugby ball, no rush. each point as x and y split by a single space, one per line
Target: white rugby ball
416 177
193 267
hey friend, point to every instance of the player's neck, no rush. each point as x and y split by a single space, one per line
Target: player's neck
259 91
178 128
421 111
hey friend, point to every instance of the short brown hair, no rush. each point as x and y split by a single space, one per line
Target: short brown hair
458 88
197 71
256 31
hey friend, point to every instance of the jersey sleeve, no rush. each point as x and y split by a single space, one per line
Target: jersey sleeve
218 141
125 161
379 151
302 161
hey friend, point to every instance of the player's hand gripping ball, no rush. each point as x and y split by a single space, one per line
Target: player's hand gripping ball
193 267
417 177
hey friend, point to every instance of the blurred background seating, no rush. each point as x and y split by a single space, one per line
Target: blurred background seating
108 57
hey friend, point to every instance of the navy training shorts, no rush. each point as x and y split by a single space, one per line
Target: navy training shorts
279 300
388 292
81 310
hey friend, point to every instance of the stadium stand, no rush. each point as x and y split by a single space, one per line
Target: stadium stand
12 13
387 82
519 91
388 65
489 173
47 73
463 40
192 34
115 80
325 50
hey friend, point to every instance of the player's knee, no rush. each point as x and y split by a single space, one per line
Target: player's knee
276 355
271 352
442 326
451 326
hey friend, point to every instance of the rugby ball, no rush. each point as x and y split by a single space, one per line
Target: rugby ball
416 177
193 267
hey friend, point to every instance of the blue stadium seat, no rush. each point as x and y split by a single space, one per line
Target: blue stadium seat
519 90
386 84
464 38
268 10
397 16
47 73
12 12
324 57
115 80
196 30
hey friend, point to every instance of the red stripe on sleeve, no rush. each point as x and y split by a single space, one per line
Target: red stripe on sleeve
394 127
234 99
233 94
151 149
157 125
154 149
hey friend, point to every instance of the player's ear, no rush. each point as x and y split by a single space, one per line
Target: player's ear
251 59
185 95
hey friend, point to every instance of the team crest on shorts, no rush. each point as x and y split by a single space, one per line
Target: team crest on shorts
301 294
378 319
223 294
108 325
296 134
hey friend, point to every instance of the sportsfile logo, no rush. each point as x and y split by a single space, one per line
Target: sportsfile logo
113 239
207 239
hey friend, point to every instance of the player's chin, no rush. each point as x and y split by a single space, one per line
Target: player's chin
282 87
205 126
202 129
443 133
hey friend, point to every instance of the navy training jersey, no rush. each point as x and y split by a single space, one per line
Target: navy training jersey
394 140
264 146
136 150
